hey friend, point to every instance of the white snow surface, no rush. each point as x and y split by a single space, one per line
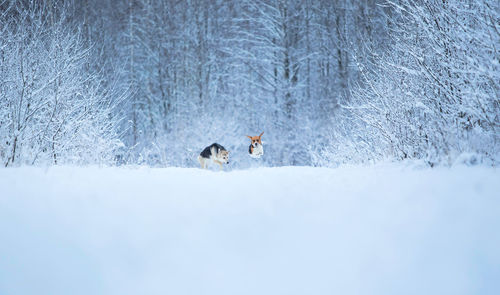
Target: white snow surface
385 229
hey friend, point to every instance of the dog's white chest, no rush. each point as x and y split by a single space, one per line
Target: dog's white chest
257 152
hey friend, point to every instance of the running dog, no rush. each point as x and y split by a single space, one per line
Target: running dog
256 150
216 152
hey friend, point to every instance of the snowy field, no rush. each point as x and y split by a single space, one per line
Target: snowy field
388 229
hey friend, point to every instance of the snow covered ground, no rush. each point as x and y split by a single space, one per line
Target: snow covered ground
386 229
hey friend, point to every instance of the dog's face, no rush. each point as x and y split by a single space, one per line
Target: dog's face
223 156
256 140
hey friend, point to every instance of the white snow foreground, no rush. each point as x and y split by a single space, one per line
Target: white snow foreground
290 230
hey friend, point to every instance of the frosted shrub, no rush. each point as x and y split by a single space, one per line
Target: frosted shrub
52 108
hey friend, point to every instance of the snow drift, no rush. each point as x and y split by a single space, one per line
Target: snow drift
290 230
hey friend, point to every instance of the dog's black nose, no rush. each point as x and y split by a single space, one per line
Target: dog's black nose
227 162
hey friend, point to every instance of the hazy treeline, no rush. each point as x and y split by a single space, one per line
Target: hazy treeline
153 82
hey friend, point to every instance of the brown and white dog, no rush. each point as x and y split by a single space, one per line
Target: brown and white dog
256 150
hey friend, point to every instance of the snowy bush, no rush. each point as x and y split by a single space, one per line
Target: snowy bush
52 107
434 95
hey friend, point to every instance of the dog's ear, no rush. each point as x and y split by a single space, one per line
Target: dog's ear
261 134
249 136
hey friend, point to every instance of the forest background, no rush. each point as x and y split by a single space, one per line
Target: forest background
329 82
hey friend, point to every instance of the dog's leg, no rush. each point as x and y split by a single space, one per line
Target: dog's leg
202 162
220 165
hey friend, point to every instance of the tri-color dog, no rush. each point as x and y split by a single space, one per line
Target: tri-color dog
215 152
256 150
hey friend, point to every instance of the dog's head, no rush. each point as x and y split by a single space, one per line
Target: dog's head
223 156
255 140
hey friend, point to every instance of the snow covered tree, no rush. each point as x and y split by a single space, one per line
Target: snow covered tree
53 110
434 94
